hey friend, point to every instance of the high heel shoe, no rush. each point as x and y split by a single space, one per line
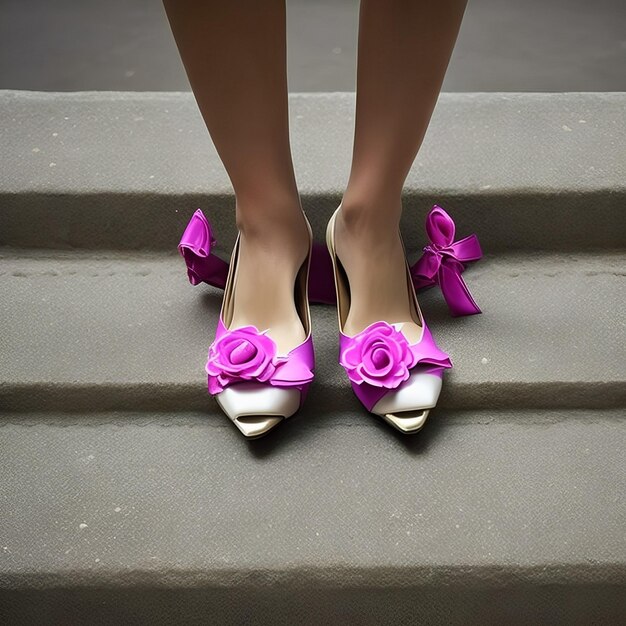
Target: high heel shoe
255 386
394 379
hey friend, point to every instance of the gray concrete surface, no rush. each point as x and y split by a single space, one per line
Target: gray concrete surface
561 45
127 497
93 170
81 333
162 518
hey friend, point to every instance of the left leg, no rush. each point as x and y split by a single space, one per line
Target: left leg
403 53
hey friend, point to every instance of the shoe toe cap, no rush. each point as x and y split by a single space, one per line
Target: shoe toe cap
256 407
407 407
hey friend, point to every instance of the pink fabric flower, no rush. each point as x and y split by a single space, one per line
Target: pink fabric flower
380 355
240 354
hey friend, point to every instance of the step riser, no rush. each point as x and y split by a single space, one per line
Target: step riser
142 397
437 603
559 222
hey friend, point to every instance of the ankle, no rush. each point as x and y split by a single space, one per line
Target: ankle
370 216
271 220
371 225
276 237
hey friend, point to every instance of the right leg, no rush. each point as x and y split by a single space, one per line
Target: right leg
235 57
404 49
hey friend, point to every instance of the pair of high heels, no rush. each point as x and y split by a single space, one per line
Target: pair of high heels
397 380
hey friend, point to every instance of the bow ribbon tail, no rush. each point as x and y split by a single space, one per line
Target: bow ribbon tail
454 289
195 247
466 249
291 373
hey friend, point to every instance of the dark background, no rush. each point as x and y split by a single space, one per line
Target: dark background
505 45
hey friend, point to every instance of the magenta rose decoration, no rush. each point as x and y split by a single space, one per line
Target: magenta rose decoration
380 356
240 354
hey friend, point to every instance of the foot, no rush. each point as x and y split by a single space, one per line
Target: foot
270 257
369 247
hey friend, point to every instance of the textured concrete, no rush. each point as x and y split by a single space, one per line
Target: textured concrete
504 45
78 332
160 518
94 170
127 497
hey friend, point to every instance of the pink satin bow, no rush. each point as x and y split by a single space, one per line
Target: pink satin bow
444 260
441 264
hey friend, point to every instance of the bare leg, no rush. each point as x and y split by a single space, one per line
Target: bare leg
235 57
404 50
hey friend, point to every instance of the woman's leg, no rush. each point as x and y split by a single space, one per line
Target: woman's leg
235 57
404 49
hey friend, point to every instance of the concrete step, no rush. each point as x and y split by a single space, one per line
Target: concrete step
486 517
126 170
94 331
127 497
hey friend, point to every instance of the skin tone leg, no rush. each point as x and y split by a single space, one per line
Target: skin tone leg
404 50
235 57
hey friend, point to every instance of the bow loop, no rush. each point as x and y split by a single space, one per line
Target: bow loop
444 260
440 227
196 245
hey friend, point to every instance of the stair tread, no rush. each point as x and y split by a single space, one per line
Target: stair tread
44 127
181 498
552 333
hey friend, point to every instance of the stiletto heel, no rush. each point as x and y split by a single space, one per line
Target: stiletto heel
394 379
256 387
